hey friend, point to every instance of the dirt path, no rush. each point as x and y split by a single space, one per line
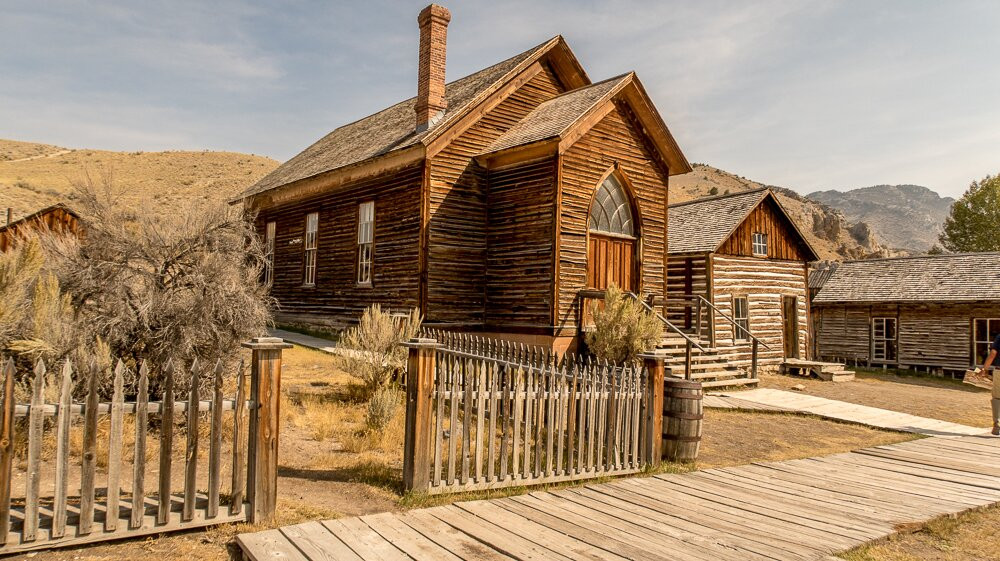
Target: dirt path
38 157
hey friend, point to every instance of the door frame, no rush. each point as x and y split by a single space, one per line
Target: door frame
630 194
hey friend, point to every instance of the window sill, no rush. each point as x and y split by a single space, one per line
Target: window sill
363 285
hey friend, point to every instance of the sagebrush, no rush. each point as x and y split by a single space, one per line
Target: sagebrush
371 350
623 329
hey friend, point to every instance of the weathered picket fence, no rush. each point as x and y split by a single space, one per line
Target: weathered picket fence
492 420
127 506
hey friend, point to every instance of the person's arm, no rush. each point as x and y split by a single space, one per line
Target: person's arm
989 359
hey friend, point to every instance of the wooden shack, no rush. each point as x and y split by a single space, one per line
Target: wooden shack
57 218
935 312
737 272
488 203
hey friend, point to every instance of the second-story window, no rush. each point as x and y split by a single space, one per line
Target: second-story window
309 249
269 233
366 241
759 244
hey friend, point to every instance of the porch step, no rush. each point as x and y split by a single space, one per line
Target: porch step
730 382
828 371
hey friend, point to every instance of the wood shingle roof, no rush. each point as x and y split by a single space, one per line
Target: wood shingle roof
389 130
702 225
960 277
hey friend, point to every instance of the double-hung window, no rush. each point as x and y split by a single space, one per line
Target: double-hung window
309 249
366 241
884 339
759 243
269 232
741 317
984 332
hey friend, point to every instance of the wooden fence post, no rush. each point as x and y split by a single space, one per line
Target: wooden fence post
265 395
687 360
419 389
653 447
753 360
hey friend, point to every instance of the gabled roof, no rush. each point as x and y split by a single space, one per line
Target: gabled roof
394 129
553 117
702 225
39 213
567 117
960 277
819 274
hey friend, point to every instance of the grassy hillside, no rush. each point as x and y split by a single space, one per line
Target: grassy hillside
829 232
33 176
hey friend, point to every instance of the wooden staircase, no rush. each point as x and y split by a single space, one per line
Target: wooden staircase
713 368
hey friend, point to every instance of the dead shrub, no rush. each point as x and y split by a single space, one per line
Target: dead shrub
623 329
372 351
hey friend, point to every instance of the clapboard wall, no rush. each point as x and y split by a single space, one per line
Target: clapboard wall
616 140
458 202
931 335
336 299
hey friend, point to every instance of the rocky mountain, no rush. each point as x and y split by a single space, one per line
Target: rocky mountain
830 232
907 217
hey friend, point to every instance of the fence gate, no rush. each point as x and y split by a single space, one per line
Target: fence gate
74 473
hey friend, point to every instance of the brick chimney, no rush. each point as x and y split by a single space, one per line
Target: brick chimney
433 21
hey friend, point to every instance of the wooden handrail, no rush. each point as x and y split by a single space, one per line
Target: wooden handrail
601 294
699 298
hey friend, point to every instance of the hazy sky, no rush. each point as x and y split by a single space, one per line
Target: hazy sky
808 95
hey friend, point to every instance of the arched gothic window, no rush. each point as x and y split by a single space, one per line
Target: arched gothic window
610 213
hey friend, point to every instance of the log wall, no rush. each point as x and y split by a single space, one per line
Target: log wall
336 299
934 335
616 139
764 282
458 203
685 275
57 220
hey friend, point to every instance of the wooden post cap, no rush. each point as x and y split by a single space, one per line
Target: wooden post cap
267 343
422 343
658 354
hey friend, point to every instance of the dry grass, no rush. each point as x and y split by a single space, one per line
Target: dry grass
163 179
973 536
904 391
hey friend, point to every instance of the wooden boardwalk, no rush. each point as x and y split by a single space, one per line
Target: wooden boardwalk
795 510
762 399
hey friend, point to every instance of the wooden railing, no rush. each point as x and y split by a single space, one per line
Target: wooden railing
703 307
32 518
475 422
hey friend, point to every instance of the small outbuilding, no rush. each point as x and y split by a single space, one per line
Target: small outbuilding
57 218
934 312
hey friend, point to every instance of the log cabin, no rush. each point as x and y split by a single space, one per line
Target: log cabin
57 218
489 203
937 313
737 272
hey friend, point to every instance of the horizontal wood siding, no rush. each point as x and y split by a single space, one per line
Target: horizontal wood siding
782 241
764 282
615 139
56 220
929 334
457 236
336 299
519 270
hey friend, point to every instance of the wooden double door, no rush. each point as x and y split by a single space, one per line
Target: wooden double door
611 259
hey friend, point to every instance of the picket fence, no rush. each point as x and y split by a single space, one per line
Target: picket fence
38 509
486 414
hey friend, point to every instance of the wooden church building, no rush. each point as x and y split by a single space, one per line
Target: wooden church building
488 202
737 271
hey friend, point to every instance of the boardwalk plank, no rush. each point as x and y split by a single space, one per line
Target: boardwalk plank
497 536
316 542
451 539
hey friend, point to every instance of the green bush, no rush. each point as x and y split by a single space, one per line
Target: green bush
623 329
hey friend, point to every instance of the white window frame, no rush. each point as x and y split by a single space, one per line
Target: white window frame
270 229
758 244
882 343
366 243
977 357
744 321
310 249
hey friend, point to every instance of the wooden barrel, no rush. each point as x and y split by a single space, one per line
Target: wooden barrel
682 416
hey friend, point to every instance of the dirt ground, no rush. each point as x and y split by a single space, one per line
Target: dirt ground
973 536
917 394
330 467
